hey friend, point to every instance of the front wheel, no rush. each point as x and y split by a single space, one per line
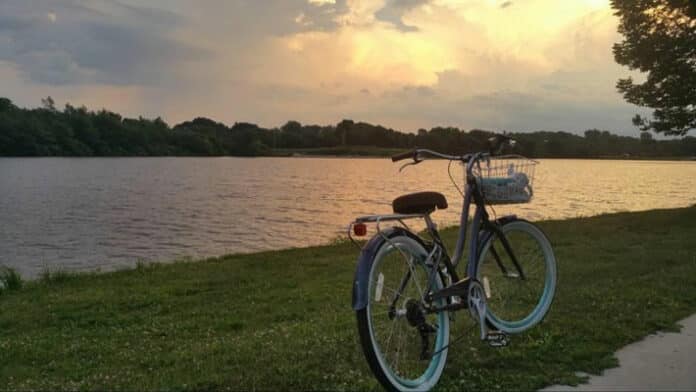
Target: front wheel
519 289
405 345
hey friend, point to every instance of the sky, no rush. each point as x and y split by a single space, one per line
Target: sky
515 65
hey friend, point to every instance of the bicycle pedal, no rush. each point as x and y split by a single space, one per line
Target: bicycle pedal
497 339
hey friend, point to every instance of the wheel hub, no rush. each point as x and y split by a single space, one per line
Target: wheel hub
414 313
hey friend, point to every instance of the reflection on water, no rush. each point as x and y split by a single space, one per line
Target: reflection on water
79 214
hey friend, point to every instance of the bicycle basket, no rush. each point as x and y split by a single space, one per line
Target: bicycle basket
506 179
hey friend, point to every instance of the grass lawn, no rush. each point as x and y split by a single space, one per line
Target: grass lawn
282 320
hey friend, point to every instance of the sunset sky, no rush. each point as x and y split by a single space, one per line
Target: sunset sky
518 65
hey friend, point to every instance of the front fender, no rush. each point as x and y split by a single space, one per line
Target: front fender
367 257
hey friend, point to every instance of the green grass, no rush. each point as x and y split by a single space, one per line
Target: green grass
49 277
283 320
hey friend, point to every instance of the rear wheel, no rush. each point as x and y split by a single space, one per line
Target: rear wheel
517 299
404 345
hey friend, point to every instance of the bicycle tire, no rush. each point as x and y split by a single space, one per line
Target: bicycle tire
514 304
417 374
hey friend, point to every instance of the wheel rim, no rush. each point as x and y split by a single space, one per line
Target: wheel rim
397 343
514 304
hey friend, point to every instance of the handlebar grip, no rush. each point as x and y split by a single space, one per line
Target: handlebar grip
404 155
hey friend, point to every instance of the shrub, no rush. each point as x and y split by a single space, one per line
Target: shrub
10 279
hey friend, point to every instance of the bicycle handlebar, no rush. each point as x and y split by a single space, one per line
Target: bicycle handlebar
404 155
435 154
495 145
420 154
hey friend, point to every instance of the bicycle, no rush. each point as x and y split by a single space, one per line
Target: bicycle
406 286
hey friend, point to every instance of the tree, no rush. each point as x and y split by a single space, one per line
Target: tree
48 103
659 40
6 105
646 137
342 130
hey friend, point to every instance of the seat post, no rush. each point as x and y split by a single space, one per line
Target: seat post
432 227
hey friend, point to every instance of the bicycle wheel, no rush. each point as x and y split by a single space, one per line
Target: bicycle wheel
517 299
404 346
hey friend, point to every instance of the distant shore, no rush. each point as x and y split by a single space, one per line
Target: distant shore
376 152
78 131
360 152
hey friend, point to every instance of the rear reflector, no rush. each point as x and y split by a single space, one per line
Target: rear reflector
360 229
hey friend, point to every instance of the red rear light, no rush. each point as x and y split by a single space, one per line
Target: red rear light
360 229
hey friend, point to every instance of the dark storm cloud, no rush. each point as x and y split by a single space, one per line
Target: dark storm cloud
394 11
70 42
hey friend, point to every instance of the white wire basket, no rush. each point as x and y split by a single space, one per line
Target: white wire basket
506 179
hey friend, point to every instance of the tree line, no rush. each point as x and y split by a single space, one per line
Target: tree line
77 131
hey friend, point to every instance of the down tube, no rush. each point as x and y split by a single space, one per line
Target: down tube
473 246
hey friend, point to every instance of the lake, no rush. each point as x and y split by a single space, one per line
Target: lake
108 213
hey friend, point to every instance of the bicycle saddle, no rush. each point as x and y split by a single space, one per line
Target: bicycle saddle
419 203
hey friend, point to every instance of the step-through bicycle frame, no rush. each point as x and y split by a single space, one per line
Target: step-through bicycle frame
481 230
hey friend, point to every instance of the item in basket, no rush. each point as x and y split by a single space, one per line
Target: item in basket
520 181
512 188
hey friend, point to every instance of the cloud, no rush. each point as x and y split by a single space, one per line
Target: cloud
318 61
255 20
93 42
498 110
394 10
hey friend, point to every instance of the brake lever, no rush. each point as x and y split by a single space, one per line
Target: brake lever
415 162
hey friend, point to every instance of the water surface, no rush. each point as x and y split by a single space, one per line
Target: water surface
106 213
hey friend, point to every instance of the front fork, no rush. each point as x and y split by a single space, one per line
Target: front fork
498 232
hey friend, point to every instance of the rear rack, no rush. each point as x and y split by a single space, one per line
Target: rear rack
385 218
379 219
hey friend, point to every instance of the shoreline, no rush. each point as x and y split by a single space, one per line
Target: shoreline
337 241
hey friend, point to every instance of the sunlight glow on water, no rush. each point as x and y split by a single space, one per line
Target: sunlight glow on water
81 214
